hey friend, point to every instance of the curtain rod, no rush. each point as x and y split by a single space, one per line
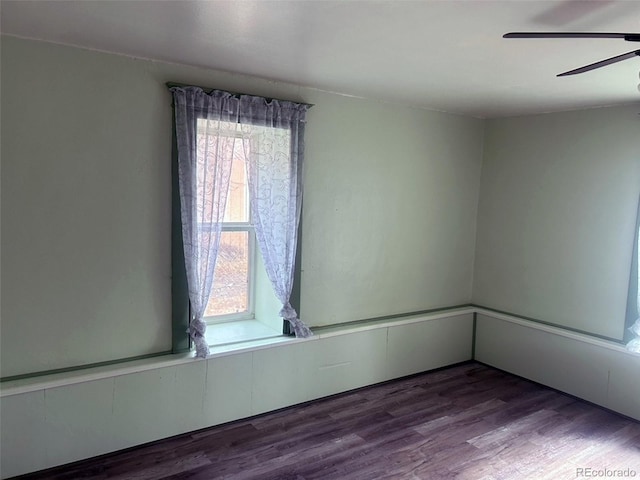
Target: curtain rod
208 90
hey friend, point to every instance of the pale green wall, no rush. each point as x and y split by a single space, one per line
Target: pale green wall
390 210
85 208
389 213
557 209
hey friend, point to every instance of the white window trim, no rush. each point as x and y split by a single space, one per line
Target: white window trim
250 314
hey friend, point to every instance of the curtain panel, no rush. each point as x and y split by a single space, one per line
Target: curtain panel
633 304
272 133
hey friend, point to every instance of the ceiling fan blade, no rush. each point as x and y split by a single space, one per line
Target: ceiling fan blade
632 37
601 63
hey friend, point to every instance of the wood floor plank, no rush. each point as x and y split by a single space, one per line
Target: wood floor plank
469 421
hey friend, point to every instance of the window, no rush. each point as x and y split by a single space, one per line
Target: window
233 290
237 192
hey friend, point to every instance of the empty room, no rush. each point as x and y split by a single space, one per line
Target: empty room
319 239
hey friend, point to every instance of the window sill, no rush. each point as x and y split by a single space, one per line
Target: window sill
241 331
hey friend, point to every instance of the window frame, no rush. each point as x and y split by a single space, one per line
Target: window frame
250 313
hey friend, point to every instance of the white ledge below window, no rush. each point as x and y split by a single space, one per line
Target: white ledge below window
227 336
26 385
250 337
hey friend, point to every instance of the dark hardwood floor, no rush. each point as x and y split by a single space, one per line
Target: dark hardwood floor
469 421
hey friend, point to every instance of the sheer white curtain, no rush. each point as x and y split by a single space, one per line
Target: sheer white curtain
272 132
204 169
633 311
274 167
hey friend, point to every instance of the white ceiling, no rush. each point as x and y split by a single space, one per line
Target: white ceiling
443 55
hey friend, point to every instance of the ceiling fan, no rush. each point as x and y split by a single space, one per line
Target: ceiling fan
629 37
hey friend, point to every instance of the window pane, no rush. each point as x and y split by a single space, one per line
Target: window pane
237 209
222 145
230 292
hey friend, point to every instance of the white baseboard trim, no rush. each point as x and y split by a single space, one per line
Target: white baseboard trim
16 387
581 337
43 382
